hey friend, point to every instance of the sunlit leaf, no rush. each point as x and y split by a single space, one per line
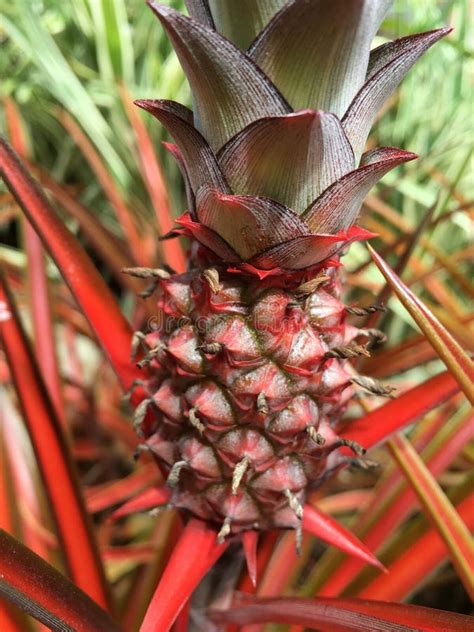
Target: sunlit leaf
452 354
314 64
239 92
438 508
291 159
389 64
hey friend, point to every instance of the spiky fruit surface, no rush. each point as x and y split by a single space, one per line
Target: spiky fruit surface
250 379
250 385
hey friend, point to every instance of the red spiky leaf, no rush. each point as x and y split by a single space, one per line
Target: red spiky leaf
325 528
194 554
89 289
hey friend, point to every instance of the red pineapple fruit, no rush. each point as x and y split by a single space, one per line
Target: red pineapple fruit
249 362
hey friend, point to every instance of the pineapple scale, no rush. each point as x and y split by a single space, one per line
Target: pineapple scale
248 386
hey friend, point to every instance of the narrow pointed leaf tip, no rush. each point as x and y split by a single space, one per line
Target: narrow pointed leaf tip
194 554
338 206
329 530
239 92
388 65
453 355
249 543
313 63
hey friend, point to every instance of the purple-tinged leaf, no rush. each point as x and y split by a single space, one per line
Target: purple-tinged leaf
175 151
291 158
324 527
229 90
342 615
249 543
302 252
200 11
194 554
388 65
242 21
338 206
40 590
208 238
450 351
197 157
244 221
310 61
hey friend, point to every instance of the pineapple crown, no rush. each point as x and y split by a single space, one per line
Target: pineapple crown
284 94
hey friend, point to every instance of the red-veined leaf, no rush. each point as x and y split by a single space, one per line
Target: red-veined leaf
389 64
52 452
326 528
452 354
89 289
240 22
194 554
291 159
429 551
339 204
382 422
40 590
438 509
239 92
343 615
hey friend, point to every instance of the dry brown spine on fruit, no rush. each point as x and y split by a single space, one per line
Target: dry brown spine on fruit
373 386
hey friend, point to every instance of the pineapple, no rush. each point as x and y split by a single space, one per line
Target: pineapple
249 366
